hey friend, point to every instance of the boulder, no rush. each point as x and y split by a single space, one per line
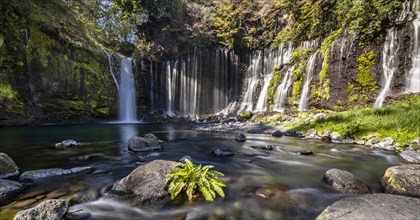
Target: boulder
386 144
8 167
345 182
240 138
277 133
373 206
263 147
402 180
145 187
9 189
53 209
410 156
306 152
66 143
223 152
38 175
139 144
153 137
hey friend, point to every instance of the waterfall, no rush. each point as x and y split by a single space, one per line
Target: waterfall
303 103
111 68
283 89
251 81
127 93
389 64
413 79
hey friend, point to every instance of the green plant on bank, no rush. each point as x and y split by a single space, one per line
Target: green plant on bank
365 85
192 178
387 122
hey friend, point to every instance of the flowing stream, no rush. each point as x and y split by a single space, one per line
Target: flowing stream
105 149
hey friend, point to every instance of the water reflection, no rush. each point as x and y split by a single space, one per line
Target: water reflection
127 131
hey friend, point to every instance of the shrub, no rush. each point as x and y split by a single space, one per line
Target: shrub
192 179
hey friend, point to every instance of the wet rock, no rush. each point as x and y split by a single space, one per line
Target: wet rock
373 206
410 156
307 152
402 180
153 137
38 175
9 189
326 139
342 141
371 141
258 130
8 167
264 147
335 135
290 133
386 144
139 144
277 133
240 138
145 187
50 209
87 195
345 182
67 143
223 152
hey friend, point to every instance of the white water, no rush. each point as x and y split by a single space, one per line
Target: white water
283 89
304 99
389 65
251 81
111 69
127 93
413 79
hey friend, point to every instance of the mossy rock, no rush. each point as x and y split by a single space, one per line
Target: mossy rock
402 180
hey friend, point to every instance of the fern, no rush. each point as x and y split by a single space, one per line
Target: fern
193 179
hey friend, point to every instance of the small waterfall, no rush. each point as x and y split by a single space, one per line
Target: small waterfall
303 103
413 79
389 64
111 68
283 89
127 93
252 80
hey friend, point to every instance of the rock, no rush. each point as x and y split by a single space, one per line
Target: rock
223 152
372 141
8 167
182 160
290 133
410 156
386 144
308 152
326 133
153 137
345 182
9 189
342 141
54 209
360 142
67 143
265 147
38 175
145 186
87 195
335 135
240 138
326 139
277 133
373 206
402 180
139 144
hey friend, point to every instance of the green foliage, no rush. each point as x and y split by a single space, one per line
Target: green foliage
300 57
365 84
192 179
386 121
272 87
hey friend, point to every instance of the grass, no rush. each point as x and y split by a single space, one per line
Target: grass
400 120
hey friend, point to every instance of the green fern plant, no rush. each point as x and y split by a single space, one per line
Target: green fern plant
193 179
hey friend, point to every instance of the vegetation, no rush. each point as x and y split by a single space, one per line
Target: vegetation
193 179
386 121
300 57
272 87
365 85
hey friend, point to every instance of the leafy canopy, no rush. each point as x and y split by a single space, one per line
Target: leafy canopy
192 179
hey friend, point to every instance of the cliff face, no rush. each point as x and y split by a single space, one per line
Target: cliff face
50 70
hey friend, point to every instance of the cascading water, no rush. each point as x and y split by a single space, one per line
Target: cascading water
111 68
127 93
303 103
389 64
252 79
413 78
283 89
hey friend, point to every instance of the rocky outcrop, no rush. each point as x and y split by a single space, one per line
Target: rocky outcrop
402 180
373 206
42 174
9 189
147 143
49 209
8 167
345 182
145 186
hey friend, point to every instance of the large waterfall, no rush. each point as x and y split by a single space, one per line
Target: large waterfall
389 64
252 79
283 89
127 93
413 79
303 103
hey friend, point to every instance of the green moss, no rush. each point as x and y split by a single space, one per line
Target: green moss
300 57
272 88
365 84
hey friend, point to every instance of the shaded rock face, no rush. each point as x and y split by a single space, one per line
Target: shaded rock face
146 184
402 180
8 167
373 206
139 144
38 175
345 182
54 209
9 189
